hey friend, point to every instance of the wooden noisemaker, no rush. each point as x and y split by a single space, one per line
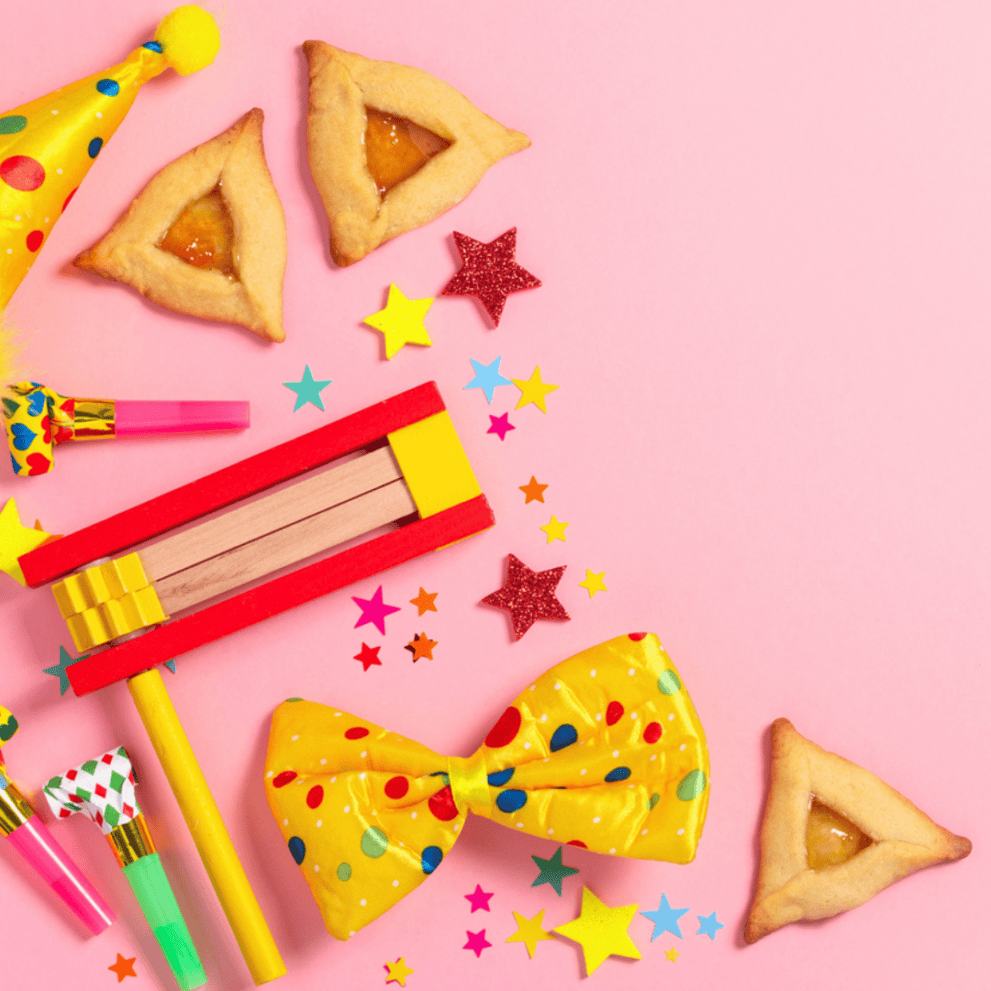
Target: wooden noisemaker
397 465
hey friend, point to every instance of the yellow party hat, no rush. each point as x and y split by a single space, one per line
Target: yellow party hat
47 146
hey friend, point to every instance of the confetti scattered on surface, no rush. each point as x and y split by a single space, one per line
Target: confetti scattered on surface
709 926
665 919
308 390
500 425
533 490
528 595
398 972
552 870
533 390
421 646
529 931
476 942
555 529
368 656
373 610
479 899
593 583
489 272
424 602
487 377
16 540
58 670
401 322
671 954
601 931
171 665
124 967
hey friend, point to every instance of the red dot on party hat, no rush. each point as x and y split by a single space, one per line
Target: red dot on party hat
22 172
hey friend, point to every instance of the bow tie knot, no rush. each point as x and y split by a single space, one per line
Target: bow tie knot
469 781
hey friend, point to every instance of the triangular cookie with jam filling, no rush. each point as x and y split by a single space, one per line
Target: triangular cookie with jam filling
833 836
391 147
206 236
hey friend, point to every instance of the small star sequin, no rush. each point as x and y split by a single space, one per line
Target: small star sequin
424 602
421 646
500 425
368 656
489 272
124 967
528 595
533 490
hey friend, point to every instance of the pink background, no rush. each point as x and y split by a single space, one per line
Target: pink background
762 231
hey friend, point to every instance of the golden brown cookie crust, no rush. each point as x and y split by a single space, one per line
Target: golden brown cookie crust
130 254
904 838
341 85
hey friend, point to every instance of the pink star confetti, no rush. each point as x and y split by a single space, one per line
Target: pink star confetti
528 595
368 656
500 425
373 610
476 942
489 272
479 899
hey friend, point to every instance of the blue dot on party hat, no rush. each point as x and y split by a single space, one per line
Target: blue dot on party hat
498 778
297 848
94 147
108 87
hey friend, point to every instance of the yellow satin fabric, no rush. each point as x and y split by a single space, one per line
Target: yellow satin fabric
604 751
61 133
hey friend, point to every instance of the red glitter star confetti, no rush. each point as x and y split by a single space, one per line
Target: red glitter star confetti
528 595
368 656
421 646
500 425
489 272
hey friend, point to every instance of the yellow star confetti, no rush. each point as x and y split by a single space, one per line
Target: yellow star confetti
16 540
401 322
529 931
533 390
671 954
398 972
601 931
593 583
555 529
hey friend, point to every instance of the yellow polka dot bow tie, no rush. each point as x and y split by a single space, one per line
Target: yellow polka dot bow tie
604 751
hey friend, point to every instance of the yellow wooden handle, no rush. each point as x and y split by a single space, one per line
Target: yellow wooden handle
206 826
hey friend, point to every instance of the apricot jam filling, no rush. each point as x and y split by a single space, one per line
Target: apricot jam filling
203 235
831 839
396 148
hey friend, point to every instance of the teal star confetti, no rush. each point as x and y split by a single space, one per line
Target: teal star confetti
58 670
487 377
552 871
308 390
665 919
709 925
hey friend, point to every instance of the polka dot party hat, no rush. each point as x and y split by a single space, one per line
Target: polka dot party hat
604 751
47 146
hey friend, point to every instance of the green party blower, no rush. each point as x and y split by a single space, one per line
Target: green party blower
103 788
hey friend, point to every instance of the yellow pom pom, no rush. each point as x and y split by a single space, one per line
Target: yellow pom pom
189 38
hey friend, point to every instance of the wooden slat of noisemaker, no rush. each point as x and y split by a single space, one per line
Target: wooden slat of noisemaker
238 481
263 516
290 545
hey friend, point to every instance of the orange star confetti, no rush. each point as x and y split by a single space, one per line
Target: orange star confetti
421 646
124 967
533 490
424 602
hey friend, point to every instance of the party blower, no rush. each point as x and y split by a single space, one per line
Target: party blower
27 834
103 788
